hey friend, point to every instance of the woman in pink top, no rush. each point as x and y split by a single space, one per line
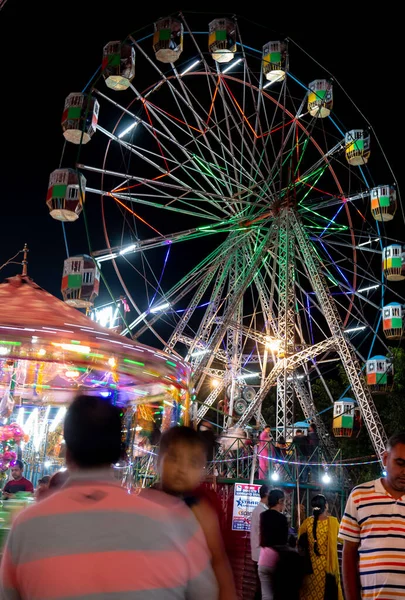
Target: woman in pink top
263 452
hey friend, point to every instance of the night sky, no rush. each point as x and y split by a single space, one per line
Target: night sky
48 52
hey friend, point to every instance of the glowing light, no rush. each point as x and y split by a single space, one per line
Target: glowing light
107 257
232 65
138 428
279 78
47 464
34 339
353 329
370 287
369 242
128 249
128 129
275 476
384 473
41 352
74 348
326 478
60 415
156 309
194 64
112 362
273 344
4 351
199 353
249 376
72 374
215 383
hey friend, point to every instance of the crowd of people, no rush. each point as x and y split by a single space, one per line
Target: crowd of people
86 537
372 531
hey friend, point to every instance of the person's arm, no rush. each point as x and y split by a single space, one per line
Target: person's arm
351 581
219 560
255 532
349 533
6 491
8 578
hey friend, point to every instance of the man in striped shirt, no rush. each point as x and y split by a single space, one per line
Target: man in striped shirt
93 540
373 530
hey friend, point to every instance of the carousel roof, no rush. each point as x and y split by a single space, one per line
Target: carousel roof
36 326
25 304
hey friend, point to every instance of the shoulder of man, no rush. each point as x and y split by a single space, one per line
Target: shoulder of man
367 486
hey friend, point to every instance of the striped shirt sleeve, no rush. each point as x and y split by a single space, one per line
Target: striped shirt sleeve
8 582
349 530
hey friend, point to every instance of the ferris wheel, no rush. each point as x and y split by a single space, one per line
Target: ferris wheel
240 217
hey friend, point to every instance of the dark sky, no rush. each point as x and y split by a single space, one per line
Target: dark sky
48 52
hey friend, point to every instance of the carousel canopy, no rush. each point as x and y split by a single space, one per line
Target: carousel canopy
49 351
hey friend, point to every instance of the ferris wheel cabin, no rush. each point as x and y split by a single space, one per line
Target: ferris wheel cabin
393 322
80 281
393 263
79 118
66 191
118 65
168 40
320 98
357 147
274 60
346 417
222 40
383 203
380 373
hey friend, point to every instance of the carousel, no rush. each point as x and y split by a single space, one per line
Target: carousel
50 352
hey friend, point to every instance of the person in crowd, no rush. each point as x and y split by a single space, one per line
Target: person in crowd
18 483
91 539
373 531
181 467
273 532
321 539
58 479
313 437
43 486
263 452
255 533
279 563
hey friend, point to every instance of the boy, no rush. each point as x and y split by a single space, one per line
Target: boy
181 466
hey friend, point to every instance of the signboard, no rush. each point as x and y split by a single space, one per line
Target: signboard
246 498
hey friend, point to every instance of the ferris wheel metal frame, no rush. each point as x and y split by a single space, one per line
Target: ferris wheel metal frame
218 163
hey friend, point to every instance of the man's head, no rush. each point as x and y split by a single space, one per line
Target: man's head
276 500
264 492
17 469
298 432
92 433
394 462
182 460
44 481
312 428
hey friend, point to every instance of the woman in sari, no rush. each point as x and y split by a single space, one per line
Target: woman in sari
263 452
320 533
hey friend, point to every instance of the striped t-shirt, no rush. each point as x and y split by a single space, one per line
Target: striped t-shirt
93 540
377 521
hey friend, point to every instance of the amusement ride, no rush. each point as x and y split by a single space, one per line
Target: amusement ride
241 222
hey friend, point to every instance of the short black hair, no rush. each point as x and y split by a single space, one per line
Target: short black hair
45 479
274 497
397 438
93 431
264 491
183 434
19 464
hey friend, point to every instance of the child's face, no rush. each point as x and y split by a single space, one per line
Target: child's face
181 468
